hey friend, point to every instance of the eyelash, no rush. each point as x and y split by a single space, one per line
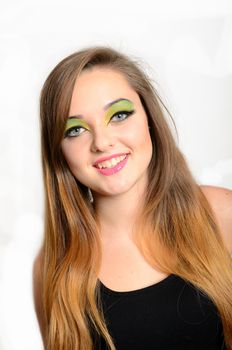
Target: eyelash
128 113
68 132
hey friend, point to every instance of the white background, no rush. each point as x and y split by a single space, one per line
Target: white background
185 46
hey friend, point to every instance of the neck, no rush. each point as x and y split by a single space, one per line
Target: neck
117 214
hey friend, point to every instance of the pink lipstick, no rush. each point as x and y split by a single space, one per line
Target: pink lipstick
100 160
113 170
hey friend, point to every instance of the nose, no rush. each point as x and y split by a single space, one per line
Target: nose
102 140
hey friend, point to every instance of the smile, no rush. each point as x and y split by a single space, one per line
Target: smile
113 165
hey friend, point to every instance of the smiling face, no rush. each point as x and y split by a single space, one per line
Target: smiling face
106 140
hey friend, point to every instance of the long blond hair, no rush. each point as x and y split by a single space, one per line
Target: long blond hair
178 231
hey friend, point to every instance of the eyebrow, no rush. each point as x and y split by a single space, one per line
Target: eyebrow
107 106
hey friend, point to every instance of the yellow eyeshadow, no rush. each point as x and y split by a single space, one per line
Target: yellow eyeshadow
123 105
76 122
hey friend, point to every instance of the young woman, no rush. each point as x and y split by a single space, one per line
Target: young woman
136 255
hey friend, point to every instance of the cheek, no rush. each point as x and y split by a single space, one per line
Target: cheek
72 155
138 137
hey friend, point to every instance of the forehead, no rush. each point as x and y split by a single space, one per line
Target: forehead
96 87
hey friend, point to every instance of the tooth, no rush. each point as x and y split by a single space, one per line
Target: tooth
111 163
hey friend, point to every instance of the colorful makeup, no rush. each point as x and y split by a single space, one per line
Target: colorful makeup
75 123
119 106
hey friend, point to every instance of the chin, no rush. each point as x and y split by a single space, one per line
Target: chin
115 189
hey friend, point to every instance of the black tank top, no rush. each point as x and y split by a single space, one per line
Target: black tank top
169 315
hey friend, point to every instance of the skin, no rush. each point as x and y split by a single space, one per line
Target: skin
77 123
220 200
113 107
122 191
117 197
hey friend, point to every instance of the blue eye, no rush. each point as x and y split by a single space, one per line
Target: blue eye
120 116
74 131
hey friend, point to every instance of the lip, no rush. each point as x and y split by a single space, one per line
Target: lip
115 169
100 160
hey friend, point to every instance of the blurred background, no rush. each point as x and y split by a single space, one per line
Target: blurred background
185 47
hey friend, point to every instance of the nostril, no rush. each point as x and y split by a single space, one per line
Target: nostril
102 143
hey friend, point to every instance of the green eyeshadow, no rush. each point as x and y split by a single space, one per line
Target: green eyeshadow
123 105
74 122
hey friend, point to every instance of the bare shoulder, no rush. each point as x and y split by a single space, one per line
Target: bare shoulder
220 200
37 292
